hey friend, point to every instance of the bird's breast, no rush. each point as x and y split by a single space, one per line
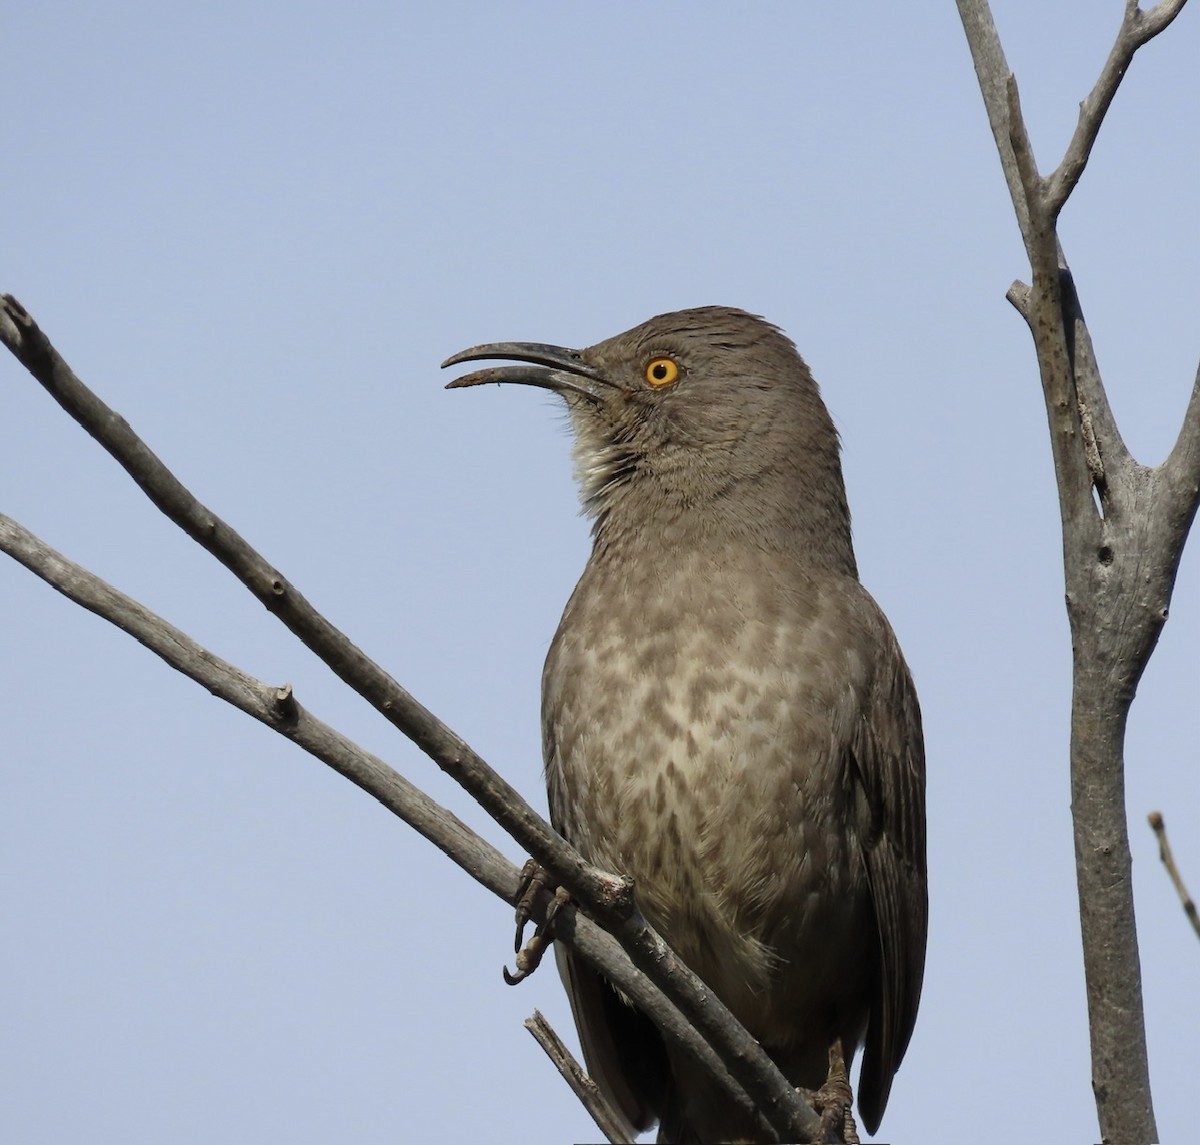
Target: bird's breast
695 718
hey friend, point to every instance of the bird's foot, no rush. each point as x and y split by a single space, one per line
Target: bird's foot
537 900
834 1101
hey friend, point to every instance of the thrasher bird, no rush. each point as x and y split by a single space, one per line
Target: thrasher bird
726 713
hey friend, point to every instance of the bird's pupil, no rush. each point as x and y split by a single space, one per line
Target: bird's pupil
660 371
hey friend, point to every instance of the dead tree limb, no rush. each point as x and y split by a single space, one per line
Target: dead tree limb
1124 528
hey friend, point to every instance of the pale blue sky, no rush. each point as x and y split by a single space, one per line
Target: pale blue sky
256 230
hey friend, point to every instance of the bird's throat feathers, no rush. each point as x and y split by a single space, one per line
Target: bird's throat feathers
718 491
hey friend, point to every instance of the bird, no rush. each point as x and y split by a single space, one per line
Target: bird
727 716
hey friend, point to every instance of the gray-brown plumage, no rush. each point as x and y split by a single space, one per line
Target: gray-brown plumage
727 716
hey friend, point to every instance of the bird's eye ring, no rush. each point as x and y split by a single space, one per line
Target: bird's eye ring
662 371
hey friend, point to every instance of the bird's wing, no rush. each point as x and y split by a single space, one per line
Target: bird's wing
888 756
621 1046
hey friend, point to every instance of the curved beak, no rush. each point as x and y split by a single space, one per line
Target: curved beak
549 367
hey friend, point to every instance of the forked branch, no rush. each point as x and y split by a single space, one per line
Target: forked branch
1124 528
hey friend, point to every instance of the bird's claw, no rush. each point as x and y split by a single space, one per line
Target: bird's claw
535 883
536 899
834 1101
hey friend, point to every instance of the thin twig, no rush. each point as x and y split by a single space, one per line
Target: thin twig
607 899
611 1124
1168 861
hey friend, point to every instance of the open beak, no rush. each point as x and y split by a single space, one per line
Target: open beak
549 367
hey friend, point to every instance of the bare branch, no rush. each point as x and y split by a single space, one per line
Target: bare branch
1022 149
1002 102
994 74
275 707
607 899
1137 28
1168 861
453 755
610 1123
1120 559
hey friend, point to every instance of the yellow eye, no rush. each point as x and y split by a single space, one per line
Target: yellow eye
661 371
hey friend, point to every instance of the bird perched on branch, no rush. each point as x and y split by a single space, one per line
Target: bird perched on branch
726 714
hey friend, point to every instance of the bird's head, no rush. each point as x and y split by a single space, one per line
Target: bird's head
705 418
